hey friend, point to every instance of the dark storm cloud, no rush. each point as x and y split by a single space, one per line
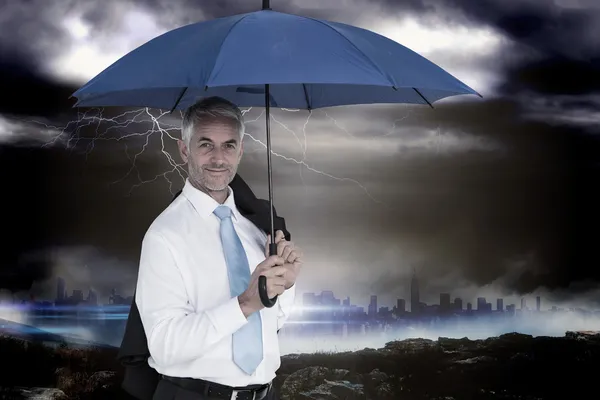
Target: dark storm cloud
188 11
551 76
33 28
467 215
28 91
556 44
538 197
50 200
470 215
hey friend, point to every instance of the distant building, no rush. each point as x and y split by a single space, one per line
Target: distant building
458 304
414 294
117 299
401 305
61 292
483 306
445 303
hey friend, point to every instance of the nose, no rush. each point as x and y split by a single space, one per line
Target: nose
217 154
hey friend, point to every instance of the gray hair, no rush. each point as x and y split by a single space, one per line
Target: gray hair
210 107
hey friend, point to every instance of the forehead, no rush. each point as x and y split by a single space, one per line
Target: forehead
216 129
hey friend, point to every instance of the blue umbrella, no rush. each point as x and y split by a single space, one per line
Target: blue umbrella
270 59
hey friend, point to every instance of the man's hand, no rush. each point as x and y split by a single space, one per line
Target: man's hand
291 255
274 270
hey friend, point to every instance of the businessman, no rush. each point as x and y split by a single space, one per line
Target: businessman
208 334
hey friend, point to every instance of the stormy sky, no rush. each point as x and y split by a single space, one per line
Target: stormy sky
483 197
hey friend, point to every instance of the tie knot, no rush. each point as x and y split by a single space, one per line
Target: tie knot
222 212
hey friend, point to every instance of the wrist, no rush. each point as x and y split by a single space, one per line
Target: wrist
245 306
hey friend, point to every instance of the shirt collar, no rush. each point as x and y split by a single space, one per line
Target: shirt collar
206 205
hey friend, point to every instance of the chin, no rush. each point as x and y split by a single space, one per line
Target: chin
217 186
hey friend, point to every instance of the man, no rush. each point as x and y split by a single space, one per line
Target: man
208 334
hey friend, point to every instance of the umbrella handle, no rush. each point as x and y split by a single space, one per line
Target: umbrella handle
262 283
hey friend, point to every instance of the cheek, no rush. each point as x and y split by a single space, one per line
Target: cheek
198 158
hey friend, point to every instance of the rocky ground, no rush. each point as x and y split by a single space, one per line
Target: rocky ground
512 366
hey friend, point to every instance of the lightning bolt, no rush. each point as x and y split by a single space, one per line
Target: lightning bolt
111 129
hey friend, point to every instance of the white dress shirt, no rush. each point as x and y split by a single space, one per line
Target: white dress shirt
183 294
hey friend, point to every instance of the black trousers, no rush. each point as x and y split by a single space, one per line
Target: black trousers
167 390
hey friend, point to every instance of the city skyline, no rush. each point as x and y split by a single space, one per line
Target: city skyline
414 289
446 302
318 324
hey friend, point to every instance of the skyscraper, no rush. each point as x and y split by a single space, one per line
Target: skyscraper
458 304
538 303
481 304
401 305
414 294
61 291
445 303
373 307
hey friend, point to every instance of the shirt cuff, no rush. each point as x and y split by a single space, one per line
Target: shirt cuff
228 317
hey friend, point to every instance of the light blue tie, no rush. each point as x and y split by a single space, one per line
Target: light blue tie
247 341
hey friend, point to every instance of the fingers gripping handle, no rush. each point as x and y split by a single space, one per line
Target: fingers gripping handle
262 283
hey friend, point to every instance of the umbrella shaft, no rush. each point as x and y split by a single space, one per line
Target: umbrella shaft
269 164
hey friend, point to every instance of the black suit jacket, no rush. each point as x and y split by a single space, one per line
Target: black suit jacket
140 379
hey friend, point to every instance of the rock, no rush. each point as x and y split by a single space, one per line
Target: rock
384 391
410 346
475 360
336 390
507 367
583 335
103 380
312 382
38 393
376 383
305 378
377 377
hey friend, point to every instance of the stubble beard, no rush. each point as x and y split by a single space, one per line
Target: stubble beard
201 180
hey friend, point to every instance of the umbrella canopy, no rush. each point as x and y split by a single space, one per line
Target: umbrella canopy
267 58
308 63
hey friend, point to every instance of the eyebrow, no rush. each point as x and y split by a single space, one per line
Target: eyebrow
205 139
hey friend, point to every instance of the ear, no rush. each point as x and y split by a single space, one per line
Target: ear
241 149
183 151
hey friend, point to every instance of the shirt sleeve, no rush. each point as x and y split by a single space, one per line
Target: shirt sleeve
286 305
175 332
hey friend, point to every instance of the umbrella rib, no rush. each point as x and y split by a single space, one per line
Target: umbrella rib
423 97
306 96
356 47
179 99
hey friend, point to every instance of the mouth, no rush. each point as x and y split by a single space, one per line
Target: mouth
216 171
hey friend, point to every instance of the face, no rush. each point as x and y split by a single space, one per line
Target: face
213 155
